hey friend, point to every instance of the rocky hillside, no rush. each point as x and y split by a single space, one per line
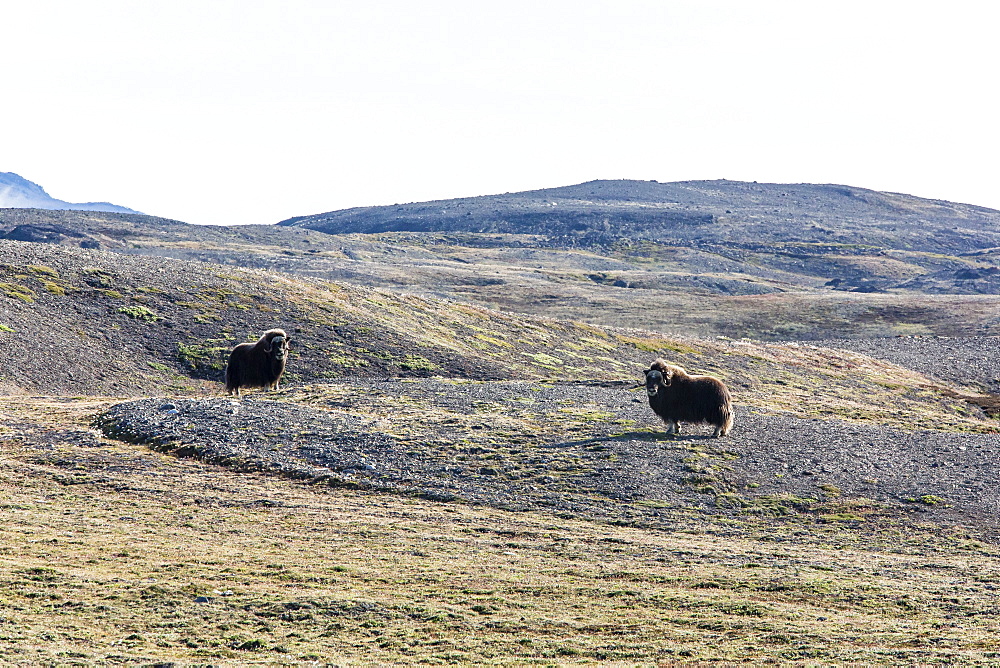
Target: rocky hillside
692 212
695 258
805 235
76 321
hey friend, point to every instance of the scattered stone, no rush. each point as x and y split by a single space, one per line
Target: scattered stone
590 469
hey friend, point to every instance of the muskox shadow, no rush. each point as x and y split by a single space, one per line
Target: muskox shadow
645 436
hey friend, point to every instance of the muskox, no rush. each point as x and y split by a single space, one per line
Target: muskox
678 397
258 364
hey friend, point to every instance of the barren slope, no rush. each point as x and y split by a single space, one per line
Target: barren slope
779 290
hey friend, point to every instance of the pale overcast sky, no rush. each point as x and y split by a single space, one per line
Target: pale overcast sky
213 111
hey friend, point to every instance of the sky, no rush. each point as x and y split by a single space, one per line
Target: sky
236 112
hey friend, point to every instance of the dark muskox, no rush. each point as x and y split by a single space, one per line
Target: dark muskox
677 397
258 364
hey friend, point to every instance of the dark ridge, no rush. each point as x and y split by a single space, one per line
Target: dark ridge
733 212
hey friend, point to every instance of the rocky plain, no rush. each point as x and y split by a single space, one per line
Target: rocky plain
459 466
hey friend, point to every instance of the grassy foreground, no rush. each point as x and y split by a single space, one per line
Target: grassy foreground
114 554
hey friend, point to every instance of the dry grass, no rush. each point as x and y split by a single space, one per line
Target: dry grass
810 381
136 557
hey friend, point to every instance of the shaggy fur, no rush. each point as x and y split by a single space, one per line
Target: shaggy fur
258 364
677 397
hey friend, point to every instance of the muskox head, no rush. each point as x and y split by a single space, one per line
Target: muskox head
659 375
654 379
276 344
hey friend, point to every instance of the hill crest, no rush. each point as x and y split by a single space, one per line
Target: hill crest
682 212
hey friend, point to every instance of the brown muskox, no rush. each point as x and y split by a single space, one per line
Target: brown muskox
677 397
258 364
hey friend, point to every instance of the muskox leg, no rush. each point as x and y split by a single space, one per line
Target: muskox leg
673 427
727 424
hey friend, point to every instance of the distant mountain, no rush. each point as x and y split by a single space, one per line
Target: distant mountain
732 213
18 192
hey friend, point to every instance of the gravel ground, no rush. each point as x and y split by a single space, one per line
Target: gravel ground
972 361
955 471
588 449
